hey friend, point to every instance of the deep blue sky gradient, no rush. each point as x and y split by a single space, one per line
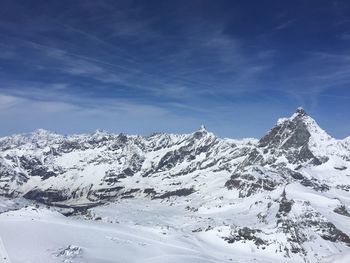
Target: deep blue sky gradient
145 66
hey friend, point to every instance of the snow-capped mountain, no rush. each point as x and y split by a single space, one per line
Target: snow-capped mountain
283 197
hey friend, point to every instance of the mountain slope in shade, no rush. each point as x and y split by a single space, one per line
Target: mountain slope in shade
283 197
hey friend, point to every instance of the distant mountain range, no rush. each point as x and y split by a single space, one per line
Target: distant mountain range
287 192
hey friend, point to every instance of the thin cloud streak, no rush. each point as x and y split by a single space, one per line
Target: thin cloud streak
195 59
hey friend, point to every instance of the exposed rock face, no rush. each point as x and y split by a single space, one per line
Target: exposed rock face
283 150
290 137
290 133
100 167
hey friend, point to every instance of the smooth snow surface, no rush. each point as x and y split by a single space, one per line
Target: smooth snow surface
134 231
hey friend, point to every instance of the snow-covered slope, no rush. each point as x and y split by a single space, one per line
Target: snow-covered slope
282 198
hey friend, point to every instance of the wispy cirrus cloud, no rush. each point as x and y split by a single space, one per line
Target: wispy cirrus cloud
285 24
170 60
32 113
208 61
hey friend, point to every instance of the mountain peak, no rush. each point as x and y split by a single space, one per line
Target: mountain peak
202 128
41 131
99 132
300 135
300 112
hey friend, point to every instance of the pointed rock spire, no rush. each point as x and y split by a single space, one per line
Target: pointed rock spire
202 131
202 128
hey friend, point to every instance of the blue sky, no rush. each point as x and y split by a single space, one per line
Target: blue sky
145 66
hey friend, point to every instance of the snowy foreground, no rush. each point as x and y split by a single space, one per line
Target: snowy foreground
127 231
130 231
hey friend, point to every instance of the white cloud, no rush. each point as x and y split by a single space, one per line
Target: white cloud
25 114
8 101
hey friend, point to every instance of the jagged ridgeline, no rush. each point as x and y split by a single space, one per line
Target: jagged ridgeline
287 192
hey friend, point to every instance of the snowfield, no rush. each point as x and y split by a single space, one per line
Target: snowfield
139 231
132 231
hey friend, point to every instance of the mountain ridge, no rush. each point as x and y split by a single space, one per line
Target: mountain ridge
279 177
